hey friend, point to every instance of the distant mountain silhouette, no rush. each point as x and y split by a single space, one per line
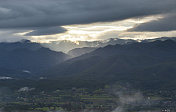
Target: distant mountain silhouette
27 56
161 38
80 51
66 45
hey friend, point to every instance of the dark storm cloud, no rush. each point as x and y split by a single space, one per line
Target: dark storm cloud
46 31
49 13
165 24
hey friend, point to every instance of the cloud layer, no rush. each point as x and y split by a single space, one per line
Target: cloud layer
47 13
46 17
165 24
46 31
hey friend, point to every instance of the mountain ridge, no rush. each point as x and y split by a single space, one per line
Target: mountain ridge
134 53
26 55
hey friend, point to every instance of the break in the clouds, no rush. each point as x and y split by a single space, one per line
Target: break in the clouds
46 17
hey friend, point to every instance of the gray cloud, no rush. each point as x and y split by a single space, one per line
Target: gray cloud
46 31
166 24
47 13
45 16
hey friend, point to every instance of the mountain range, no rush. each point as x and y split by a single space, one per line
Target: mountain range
66 45
26 57
145 62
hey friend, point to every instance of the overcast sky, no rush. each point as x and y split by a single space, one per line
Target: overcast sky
49 20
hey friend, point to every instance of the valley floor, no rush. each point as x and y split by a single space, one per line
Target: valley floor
79 99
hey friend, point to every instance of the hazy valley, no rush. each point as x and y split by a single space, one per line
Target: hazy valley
98 79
